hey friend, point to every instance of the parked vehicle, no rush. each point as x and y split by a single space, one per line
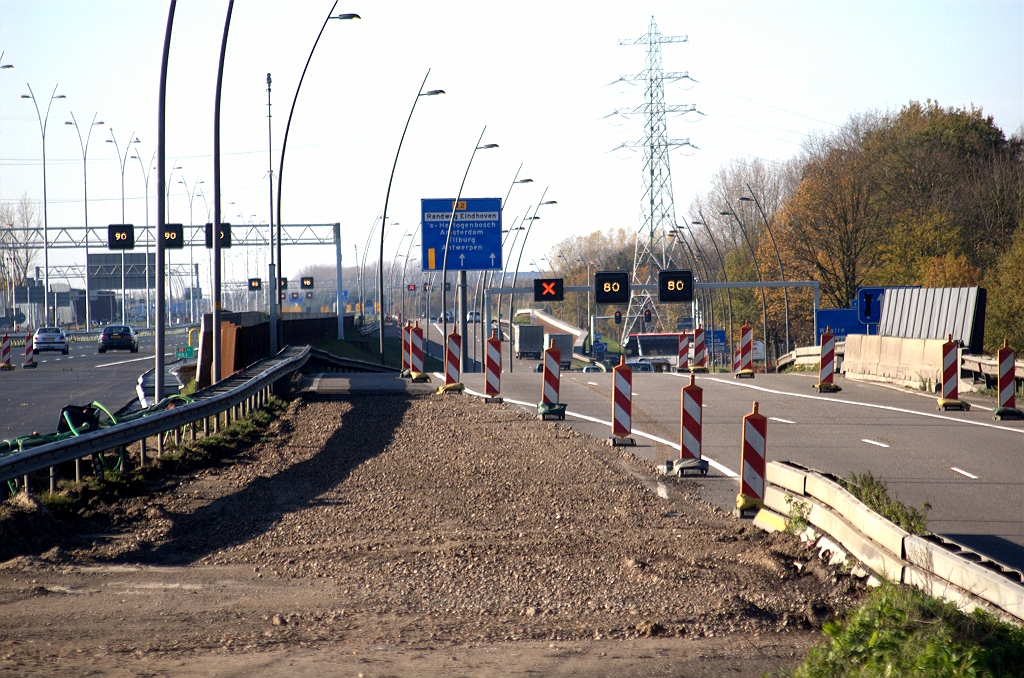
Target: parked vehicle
528 341
640 366
49 339
591 368
118 337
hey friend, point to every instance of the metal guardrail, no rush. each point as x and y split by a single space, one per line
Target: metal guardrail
250 383
372 328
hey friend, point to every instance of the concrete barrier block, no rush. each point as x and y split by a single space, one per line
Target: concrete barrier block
942 589
872 554
973 578
775 499
874 526
770 521
786 476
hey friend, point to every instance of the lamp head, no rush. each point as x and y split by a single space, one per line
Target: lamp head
433 93
746 199
26 96
480 148
69 123
346 17
550 202
6 66
60 96
525 181
725 213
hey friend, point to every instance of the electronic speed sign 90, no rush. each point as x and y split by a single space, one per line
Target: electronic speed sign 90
307 282
225 236
174 237
675 286
120 237
611 287
548 289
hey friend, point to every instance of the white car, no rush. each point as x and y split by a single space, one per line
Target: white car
473 317
49 339
640 366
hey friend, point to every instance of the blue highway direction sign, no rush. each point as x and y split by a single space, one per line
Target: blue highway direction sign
476 234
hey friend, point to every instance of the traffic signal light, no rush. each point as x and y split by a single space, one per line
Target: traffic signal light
411 287
618 317
647 316
675 286
548 289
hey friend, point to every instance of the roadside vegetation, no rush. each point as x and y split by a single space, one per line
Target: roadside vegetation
900 631
368 349
875 495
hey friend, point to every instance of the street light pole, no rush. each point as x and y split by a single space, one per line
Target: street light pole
387 196
215 226
46 224
515 277
273 286
122 161
757 270
462 274
161 147
725 277
145 180
782 274
284 143
85 191
191 225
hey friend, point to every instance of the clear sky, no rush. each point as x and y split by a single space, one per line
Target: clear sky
541 75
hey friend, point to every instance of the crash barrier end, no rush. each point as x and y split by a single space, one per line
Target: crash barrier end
770 521
497 400
551 410
827 387
455 387
621 442
419 377
952 404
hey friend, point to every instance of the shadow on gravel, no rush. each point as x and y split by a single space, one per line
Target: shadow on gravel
364 432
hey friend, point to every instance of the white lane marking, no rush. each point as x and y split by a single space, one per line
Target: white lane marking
133 360
784 421
873 442
592 383
963 472
871 405
725 470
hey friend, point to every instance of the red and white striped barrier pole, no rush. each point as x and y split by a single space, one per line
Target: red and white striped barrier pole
416 353
452 366
622 404
752 462
690 435
5 353
700 351
683 362
746 370
30 360
551 385
736 361
492 378
1007 398
406 362
827 363
949 390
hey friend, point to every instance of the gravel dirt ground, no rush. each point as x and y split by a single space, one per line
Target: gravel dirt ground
395 536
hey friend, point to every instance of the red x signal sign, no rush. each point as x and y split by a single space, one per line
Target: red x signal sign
548 289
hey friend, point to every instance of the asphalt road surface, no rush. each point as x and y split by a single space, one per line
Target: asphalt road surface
965 464
31 400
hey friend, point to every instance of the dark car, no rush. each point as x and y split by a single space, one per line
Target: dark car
118 337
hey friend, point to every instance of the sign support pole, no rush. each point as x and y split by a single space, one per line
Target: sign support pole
337 277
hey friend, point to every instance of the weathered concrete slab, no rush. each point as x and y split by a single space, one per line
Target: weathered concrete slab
362 384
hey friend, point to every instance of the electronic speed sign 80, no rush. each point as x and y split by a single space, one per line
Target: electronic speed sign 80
120 237
675 286
548 289
174 237
611 287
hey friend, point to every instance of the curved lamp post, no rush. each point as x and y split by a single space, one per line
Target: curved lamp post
387 197
191 196
447 242
284 143
757 269
84 145
778 258
145 180
725 275
122 161
518 262
43 120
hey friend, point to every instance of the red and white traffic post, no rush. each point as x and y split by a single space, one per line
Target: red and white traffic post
406 362
736 361
949 391
622 404
683 362
549 407
5 353
746 366
691 417
827 363
30 360
416 353
492 372
700 351
452 366
1007 398
752 462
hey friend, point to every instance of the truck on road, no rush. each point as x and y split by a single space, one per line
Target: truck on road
563 342
528 341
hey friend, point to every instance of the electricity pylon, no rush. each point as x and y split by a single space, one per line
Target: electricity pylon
657 211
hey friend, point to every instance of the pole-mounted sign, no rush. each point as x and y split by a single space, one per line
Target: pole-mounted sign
548 289
121 237
675 286
475 243
174 237
611 287
225 236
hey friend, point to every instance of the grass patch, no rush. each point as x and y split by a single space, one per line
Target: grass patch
900 631
368 349
189 388
875 495
241 433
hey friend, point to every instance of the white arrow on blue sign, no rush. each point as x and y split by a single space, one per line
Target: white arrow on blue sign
475 243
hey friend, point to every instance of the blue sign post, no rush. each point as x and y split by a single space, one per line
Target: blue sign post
475 243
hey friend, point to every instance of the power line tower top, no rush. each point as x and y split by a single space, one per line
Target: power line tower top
657 211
